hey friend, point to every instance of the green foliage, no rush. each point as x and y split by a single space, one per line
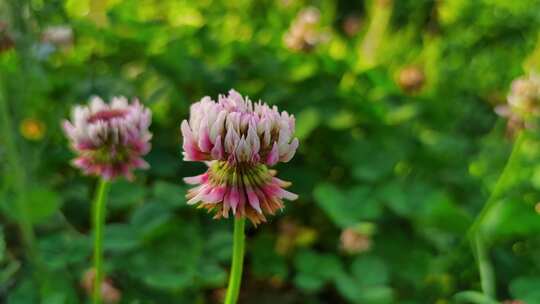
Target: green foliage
407 168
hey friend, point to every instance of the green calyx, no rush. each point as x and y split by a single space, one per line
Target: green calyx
224 173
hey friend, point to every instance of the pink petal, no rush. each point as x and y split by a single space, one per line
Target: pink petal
195 180
253 200
205 144
273 157
217 151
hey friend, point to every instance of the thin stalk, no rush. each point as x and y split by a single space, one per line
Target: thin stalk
235 276
500 185
381 11
99 223
487 274
18 175
478 244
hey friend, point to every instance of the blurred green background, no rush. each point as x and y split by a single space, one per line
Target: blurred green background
400 147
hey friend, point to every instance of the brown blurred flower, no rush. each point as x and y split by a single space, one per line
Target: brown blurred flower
109 293
304 33
411 79
60 36
352 241
288 229
6 42
218 295
513 302
351 25
384 3
32 129
292 235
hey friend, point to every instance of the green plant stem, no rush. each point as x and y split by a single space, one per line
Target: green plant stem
500 185
99 223
235 276
487 275
19 180
380 14
475 234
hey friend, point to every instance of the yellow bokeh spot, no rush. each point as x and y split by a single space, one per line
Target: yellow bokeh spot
537 207
32 129
77 8
338 49
306 236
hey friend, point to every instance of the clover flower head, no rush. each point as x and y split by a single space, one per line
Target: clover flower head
239 140
304 33
411 79
109 293
110 139
59 35
523 104
524 97
353 241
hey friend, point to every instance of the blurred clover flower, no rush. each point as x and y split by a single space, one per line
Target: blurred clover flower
351 25
353 241
59 36
292 235
523 103
109 293
239 140
110 139
411 79
6 42
304 33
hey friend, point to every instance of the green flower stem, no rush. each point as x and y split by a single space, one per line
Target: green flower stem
99 223
487 275
18 177
500 186
480 248
235 276
380 14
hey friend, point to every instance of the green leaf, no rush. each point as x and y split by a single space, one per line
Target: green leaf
526 289
441 212
120 237
57 289
211 274
367 281
473 297
406 200
167 280
124 194
219 245
315 269
265 262
149 218
308 282
351 289
370 270
377 295
40 203
169 194
63 249
23 293
347 208
377 160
